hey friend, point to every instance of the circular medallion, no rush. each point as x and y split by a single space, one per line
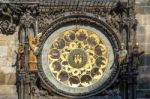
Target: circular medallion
78 53
77 60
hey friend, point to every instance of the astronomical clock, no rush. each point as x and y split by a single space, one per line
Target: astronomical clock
73 48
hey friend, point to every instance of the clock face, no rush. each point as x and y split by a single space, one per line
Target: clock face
77 57
76 60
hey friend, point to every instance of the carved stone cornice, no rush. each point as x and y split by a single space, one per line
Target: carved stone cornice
15 12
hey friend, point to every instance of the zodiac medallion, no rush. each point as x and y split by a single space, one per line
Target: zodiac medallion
78 58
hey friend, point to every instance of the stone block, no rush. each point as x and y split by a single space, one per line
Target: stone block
7 75
140 38
3 55
2 78
8 97
147 9
143 81
140 18
143 93
147 29
7 69
146 59
146 16
139 9
143 8
10 78
140 30
144 69
8 90
147 48
142 1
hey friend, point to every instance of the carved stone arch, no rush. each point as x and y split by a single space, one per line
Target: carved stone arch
33 27
31 32
26 30
22 34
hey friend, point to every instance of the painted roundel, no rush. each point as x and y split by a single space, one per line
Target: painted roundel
77 60
78 57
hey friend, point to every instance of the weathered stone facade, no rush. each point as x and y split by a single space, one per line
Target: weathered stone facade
143 37
8 48
8 45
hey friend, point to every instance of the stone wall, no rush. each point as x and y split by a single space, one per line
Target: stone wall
8 45
143 37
